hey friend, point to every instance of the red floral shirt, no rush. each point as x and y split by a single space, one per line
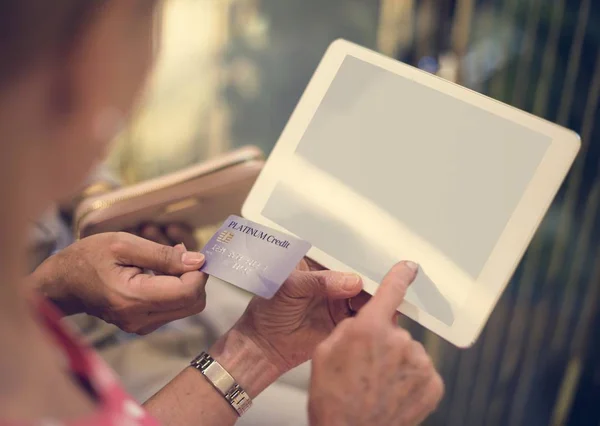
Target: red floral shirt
115 407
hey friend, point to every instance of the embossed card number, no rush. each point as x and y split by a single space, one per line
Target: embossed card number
252 256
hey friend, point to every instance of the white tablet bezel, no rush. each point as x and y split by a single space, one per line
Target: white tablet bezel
517 234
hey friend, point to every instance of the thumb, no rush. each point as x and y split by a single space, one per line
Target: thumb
134 251
167 293
329 284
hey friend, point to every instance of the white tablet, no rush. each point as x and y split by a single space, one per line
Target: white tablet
382 162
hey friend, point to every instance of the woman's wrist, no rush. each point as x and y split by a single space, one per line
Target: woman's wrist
246 361
190 396
49 279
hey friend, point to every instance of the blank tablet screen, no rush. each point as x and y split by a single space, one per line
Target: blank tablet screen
449 171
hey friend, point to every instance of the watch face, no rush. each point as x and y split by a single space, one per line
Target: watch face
222 381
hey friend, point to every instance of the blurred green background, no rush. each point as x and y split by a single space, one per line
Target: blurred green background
231 72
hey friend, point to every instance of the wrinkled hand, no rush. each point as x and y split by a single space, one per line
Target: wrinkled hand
105 275
369 371
304 311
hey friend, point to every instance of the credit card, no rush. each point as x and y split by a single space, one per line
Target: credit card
253 257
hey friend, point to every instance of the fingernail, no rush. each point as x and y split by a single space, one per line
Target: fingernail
192 258
181 245
350 282
412 266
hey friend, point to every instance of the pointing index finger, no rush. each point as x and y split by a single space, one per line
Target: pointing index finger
391 292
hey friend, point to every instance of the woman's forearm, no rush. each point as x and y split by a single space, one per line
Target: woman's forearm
190 399
50 280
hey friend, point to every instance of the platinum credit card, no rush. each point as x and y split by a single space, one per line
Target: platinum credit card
253 257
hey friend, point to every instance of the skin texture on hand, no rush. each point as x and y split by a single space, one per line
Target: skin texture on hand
105 275
270 338
190 399
304 311
369 371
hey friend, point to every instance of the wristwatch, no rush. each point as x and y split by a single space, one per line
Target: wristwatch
214 372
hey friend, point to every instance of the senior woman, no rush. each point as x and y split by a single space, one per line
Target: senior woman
70 71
